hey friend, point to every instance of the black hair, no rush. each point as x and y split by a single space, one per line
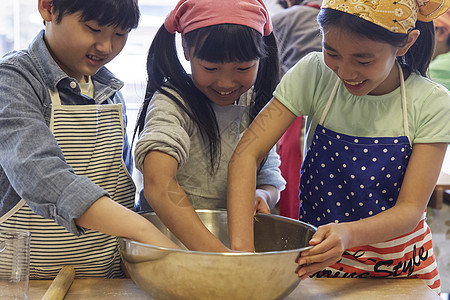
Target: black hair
419 55
123 14
284 4
219 44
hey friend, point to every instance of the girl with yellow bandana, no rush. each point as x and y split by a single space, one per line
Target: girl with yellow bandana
377 132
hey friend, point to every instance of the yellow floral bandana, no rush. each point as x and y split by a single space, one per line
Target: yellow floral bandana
396 16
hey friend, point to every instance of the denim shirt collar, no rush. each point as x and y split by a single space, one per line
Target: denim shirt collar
106 84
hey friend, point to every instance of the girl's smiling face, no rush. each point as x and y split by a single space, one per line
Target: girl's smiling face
223 83
365 66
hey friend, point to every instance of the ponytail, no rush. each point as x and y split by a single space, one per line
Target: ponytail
218 43
165 70
268 76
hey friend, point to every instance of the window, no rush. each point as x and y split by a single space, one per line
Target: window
130 64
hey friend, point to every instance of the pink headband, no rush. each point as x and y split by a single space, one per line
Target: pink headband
189 15
443 21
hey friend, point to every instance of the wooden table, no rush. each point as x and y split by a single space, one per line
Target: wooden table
317 289
437 198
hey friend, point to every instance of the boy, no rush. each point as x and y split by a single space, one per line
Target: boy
65 161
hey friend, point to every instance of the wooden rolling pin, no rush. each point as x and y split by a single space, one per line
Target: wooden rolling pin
61 284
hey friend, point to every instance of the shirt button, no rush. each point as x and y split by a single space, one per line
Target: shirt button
73 84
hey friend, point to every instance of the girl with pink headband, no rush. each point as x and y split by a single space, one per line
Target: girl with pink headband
190 124
377 132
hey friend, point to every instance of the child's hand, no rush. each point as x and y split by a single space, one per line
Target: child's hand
329 243
261 205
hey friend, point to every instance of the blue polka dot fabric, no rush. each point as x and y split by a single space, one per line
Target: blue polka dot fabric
346 178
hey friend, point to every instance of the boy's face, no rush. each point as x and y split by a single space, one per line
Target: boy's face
81 48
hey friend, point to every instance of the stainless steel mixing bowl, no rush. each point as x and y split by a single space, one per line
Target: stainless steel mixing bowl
182 274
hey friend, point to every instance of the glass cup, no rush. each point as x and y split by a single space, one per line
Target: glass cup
14 264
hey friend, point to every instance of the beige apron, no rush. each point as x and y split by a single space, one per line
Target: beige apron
91 138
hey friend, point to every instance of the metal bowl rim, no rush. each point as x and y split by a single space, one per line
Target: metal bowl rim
171 250
290 220
165 249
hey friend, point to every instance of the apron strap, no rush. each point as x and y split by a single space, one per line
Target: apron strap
404 108
54 95
403 97
12 211
330 100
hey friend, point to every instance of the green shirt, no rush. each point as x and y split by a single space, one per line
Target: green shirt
305 90
440 69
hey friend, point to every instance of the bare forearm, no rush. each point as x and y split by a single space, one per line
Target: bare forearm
412 200
172 205
175 210
109 217
384 226
257 141
241 195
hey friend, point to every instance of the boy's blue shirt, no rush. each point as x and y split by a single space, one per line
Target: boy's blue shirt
32 165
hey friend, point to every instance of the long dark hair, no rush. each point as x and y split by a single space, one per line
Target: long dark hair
219 44
419 55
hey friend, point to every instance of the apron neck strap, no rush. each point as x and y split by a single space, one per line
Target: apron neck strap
404 108
330 100
54 95
403 96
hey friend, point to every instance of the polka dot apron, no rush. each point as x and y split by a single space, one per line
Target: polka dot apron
346 178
